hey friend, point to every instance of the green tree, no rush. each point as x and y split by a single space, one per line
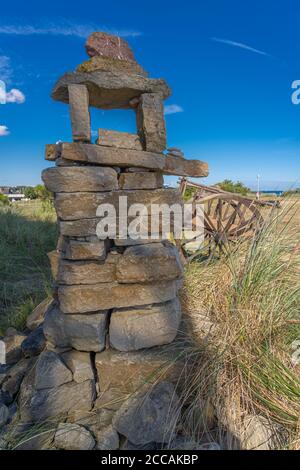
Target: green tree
30 192
234 187
43 193
4 199
38 192
189 192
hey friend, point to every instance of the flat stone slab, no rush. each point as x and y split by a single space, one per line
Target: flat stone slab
144 327
90 298
78 179
81 332
109 90
85 272
112 65
84 205
88 227
85 250
78 228
141 180
182 167
139 264
122 140
107 156
149 262
126 158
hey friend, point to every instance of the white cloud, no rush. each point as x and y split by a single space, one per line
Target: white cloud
5 69
3 131
173 109
64 28
2 92
240 45
15 96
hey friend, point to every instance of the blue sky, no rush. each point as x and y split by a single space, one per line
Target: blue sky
230 65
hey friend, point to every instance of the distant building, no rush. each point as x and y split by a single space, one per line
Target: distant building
16 197
14 193
4 189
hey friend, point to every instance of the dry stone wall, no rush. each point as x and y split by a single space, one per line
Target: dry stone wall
115 306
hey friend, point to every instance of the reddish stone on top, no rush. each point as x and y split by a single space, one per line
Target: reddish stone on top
104 44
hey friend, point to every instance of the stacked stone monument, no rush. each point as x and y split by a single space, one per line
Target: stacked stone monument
115 305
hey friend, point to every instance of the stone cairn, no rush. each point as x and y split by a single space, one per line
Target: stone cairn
115 304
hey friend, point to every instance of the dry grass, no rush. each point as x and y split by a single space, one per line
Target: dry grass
237 312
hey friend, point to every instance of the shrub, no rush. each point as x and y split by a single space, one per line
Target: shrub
4 199
231 187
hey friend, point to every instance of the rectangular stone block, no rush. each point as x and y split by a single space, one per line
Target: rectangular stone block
124 158
81 250
85 272
110 90
79 112
160 363
141 180
101 155
181 167
81 332
149 263
84 205
122 140
79 179
88 227
90 298
136 328
78 228
151 122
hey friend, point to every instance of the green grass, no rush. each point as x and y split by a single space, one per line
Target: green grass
27 233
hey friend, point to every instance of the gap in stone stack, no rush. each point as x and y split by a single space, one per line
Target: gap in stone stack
115 309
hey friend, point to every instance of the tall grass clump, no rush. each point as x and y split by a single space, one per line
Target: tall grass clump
242 316
27 232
